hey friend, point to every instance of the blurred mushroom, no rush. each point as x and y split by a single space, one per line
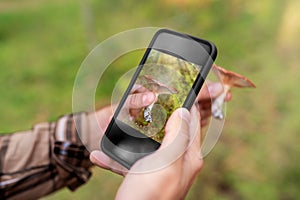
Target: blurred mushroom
229 79
157 88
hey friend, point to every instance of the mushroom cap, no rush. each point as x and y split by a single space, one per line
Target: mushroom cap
231 78
159 87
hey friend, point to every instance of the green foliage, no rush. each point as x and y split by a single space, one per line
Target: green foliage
42 44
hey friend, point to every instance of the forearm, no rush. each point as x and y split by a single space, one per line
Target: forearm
37 162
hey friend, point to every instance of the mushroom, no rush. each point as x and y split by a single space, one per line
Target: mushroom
157 88
229 79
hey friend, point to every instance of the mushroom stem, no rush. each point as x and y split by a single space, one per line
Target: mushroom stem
157 88
217 104
147 111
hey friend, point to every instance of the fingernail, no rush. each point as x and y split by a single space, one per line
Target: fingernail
185 115
215 89
148 98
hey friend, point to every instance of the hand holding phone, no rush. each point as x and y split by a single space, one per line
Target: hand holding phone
173 70
176 178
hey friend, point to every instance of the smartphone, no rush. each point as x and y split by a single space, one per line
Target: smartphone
173 68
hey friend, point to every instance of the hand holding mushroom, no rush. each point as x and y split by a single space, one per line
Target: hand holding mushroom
229 79
157 88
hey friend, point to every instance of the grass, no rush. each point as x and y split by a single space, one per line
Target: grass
43 44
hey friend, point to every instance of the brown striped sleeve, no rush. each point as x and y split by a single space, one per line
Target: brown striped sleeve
80 128
47 158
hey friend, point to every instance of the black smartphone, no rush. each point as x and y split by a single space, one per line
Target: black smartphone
173 68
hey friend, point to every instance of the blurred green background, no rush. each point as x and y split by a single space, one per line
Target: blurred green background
42 44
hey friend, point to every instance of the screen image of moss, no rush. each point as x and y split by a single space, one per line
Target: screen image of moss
170 79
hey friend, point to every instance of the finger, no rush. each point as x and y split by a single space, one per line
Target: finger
102 160
205 121
177 137
192 155
173 146
205 113
140 100
195 132
104 116
228 96
178 123
205 104
139 89
210 91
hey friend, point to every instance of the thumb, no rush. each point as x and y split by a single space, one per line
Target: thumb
174 144
210 91
177 128
102 160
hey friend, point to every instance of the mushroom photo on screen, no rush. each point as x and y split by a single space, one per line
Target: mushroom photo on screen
170 79
157 88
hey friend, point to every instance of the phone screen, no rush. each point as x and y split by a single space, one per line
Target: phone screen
170 78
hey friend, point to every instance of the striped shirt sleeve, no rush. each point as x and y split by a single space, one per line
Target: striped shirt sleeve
48 157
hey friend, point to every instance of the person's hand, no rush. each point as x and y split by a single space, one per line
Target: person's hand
139 98
207 94
174 180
